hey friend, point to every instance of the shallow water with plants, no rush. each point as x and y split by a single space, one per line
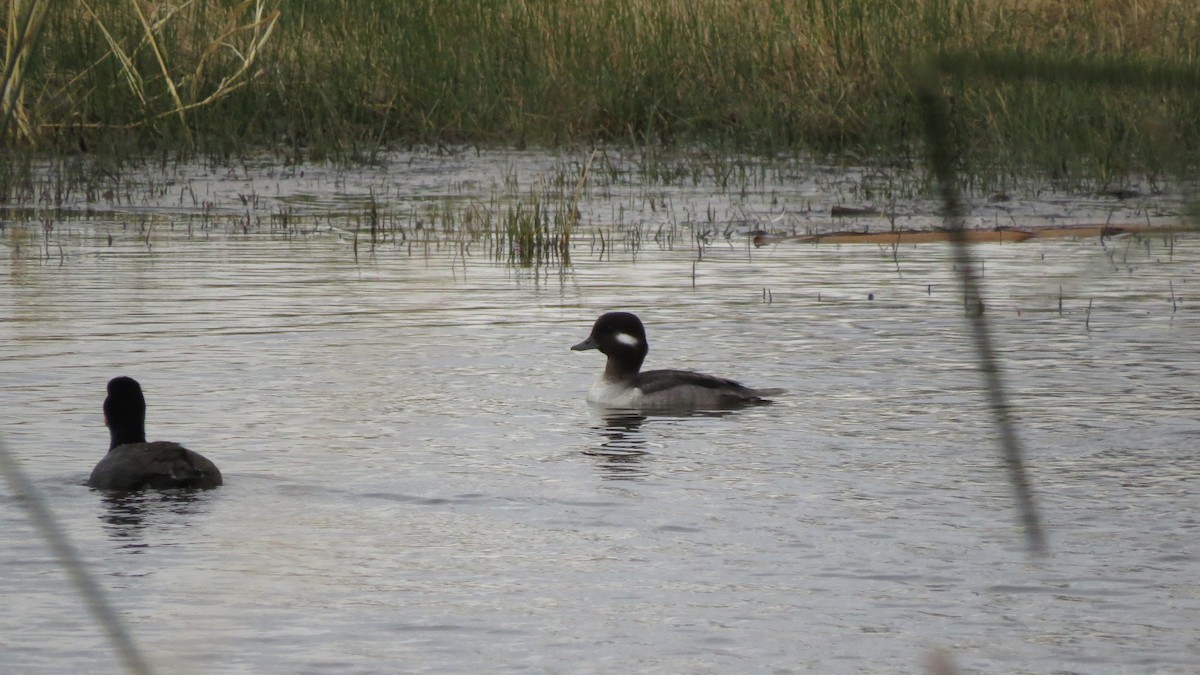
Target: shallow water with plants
378 360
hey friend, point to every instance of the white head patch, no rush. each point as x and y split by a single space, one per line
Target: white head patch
626 339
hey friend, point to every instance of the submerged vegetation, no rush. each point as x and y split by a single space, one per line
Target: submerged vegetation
326 79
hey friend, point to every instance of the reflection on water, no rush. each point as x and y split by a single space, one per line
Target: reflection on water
127 515
621 454
415 482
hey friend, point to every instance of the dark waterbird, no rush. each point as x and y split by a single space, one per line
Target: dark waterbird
622 338
134 464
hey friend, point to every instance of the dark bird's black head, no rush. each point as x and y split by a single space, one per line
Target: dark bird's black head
622 338
125 412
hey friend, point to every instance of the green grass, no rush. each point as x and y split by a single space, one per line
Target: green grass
344 80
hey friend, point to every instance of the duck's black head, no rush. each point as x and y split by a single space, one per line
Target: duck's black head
125 412
622 338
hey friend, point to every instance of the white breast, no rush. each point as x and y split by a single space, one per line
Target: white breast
614 394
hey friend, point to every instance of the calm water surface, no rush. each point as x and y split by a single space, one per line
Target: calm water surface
415 483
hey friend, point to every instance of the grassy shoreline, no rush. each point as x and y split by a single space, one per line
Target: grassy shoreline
330 79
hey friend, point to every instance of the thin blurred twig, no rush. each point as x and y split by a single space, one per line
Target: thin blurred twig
97 603
941 157
1010 65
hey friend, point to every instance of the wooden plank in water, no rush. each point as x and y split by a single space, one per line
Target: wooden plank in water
918 237
1103 230
1005 235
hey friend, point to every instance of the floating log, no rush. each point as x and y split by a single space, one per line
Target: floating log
1104 230
840 211
1005 235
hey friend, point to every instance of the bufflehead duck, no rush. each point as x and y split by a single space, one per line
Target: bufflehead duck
621 337
134 464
